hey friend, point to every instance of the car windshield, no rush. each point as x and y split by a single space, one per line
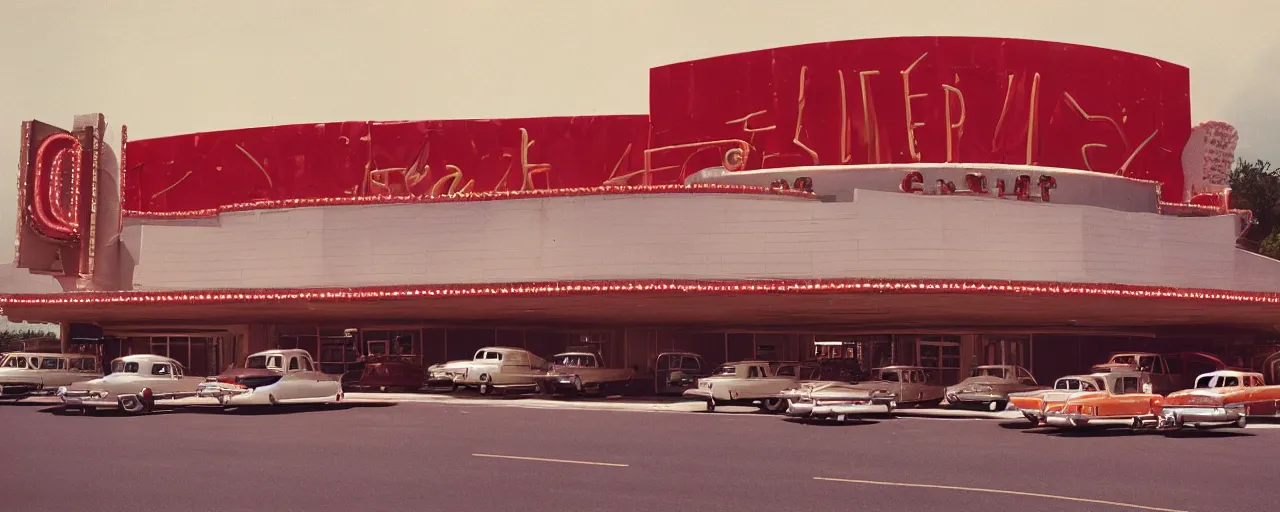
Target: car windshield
14 362
1124 360
725 370
256 362
998 373
576 360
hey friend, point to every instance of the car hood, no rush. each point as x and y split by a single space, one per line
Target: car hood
982 381
233 373
460 363
1108 367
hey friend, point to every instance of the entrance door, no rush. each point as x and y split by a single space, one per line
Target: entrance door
940 356
1014 350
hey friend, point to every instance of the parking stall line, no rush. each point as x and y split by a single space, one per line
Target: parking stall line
539 459
998 491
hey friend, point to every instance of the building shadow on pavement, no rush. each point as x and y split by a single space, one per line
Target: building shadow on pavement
830 423
217 410
1091 432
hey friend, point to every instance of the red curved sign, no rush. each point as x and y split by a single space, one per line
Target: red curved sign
935 99
897 100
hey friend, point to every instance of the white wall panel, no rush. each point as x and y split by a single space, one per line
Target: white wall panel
696 236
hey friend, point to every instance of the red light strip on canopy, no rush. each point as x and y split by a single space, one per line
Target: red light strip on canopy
699 188
563 288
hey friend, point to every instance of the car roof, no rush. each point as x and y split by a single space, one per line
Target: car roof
899 367
145 358
1134 354
1091 376
1228 373
502 349
562 354
282 352
996 366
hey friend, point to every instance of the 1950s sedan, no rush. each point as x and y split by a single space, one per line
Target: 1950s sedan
490 370
1125 399
910 384
136 384
746 382
1034 404
273 377
23 374
990 386
1222 398
583 371
836 400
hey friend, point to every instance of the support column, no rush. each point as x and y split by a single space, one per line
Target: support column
64 336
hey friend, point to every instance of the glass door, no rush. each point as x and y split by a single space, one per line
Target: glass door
1011 350
940 357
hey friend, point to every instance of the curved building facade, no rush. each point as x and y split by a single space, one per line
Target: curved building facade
945 202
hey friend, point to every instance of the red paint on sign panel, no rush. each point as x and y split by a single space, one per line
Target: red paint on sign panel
935 99
898 100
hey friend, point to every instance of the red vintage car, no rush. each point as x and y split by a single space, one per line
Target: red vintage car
386 373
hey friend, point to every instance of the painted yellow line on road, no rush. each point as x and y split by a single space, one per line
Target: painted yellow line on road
998 491
538 459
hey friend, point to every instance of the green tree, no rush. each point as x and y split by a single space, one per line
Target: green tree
1255 186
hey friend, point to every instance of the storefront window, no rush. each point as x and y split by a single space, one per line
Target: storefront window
1007 349
940 356
200 355
338 351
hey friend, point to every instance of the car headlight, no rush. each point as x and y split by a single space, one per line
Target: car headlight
62 391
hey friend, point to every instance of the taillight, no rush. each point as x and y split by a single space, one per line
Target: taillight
231 381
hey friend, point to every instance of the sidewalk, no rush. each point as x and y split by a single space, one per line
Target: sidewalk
663 404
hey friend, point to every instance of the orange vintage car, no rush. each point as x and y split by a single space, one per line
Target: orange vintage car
1126 399
1224 397
1034 404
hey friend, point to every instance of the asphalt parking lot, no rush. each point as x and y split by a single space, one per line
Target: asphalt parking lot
439 456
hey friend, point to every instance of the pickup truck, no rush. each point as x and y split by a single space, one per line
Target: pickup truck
1167 373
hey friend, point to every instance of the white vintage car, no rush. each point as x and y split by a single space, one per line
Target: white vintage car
583 372
273 377
746 382
490 370
24 374
836 400
136 384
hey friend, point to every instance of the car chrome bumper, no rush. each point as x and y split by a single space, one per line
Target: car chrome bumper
697 393
1083 420
1179 415
85 398
1033 415
810 410
955 398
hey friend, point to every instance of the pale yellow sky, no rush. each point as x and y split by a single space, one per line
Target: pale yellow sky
182 66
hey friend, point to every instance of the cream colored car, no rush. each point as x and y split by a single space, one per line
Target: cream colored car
746 382
273 377
24 374
583 372
136 384
490 370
